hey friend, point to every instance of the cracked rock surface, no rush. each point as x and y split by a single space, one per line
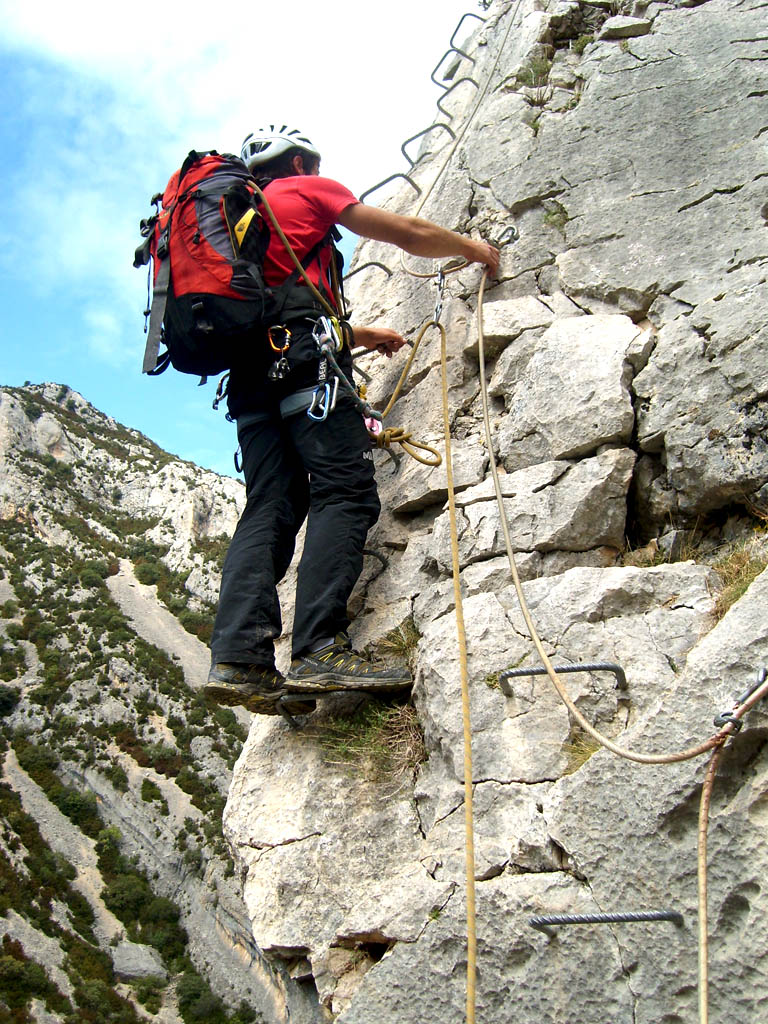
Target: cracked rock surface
626 358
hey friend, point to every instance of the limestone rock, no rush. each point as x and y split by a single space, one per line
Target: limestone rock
134 960
713 432
575 395
549 507
419 485
506 319
623 27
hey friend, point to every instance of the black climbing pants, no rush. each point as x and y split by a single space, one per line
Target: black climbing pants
296 469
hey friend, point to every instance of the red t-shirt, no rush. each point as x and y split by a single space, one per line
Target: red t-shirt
306 207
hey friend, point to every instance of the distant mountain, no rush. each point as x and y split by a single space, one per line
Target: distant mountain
118 897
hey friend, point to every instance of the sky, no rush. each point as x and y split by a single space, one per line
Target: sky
102 102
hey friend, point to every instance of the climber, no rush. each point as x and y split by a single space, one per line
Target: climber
297 467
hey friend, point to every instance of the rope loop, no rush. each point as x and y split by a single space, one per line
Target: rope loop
397 435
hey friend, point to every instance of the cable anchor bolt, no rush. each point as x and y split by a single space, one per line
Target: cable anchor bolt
727 718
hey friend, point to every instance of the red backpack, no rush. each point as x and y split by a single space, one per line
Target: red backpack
207 242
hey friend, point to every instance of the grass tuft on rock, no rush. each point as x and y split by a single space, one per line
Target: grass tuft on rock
738 570
382 742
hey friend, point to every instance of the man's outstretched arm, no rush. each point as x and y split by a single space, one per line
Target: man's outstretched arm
417 236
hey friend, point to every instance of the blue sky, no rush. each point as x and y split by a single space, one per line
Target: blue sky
101 103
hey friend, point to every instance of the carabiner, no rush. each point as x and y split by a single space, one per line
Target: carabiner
323 400
286 335
440 290
328 330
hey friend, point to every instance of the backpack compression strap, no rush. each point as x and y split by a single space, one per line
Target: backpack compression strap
152 365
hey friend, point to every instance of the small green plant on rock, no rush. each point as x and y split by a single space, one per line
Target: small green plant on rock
578 749
400 642
535 72
579 45
556 216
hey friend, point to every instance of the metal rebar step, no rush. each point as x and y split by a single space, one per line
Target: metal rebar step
585 666
545 923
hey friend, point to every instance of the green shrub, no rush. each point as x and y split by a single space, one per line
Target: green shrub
148 992
22 980
197 1002
117 776
125 895
9 698
32 411
149 572
579 45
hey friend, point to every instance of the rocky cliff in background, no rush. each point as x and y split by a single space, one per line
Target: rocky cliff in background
628 375
119 900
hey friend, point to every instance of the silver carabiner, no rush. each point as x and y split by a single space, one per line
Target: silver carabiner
327 331
440 290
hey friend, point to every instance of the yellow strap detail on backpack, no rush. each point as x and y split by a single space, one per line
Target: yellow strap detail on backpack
243 224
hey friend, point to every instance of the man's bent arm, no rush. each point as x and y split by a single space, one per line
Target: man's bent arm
417 236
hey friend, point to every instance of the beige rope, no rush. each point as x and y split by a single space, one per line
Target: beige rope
462 639
706 794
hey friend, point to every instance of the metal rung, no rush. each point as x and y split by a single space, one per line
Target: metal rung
452 48
386 182
586 666
544 924
458 82
424 131
364 266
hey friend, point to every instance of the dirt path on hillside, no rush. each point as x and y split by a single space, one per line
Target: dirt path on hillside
158 626
155 624
65 838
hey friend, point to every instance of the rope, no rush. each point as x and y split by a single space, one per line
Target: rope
706 794
396 435
462 638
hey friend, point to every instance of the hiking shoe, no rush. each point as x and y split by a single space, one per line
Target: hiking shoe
254 687
338 667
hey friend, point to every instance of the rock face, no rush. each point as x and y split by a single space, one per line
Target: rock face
627 366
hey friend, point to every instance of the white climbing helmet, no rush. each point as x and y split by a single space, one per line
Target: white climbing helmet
266 143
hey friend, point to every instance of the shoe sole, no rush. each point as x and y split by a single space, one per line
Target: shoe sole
256 703
333 682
